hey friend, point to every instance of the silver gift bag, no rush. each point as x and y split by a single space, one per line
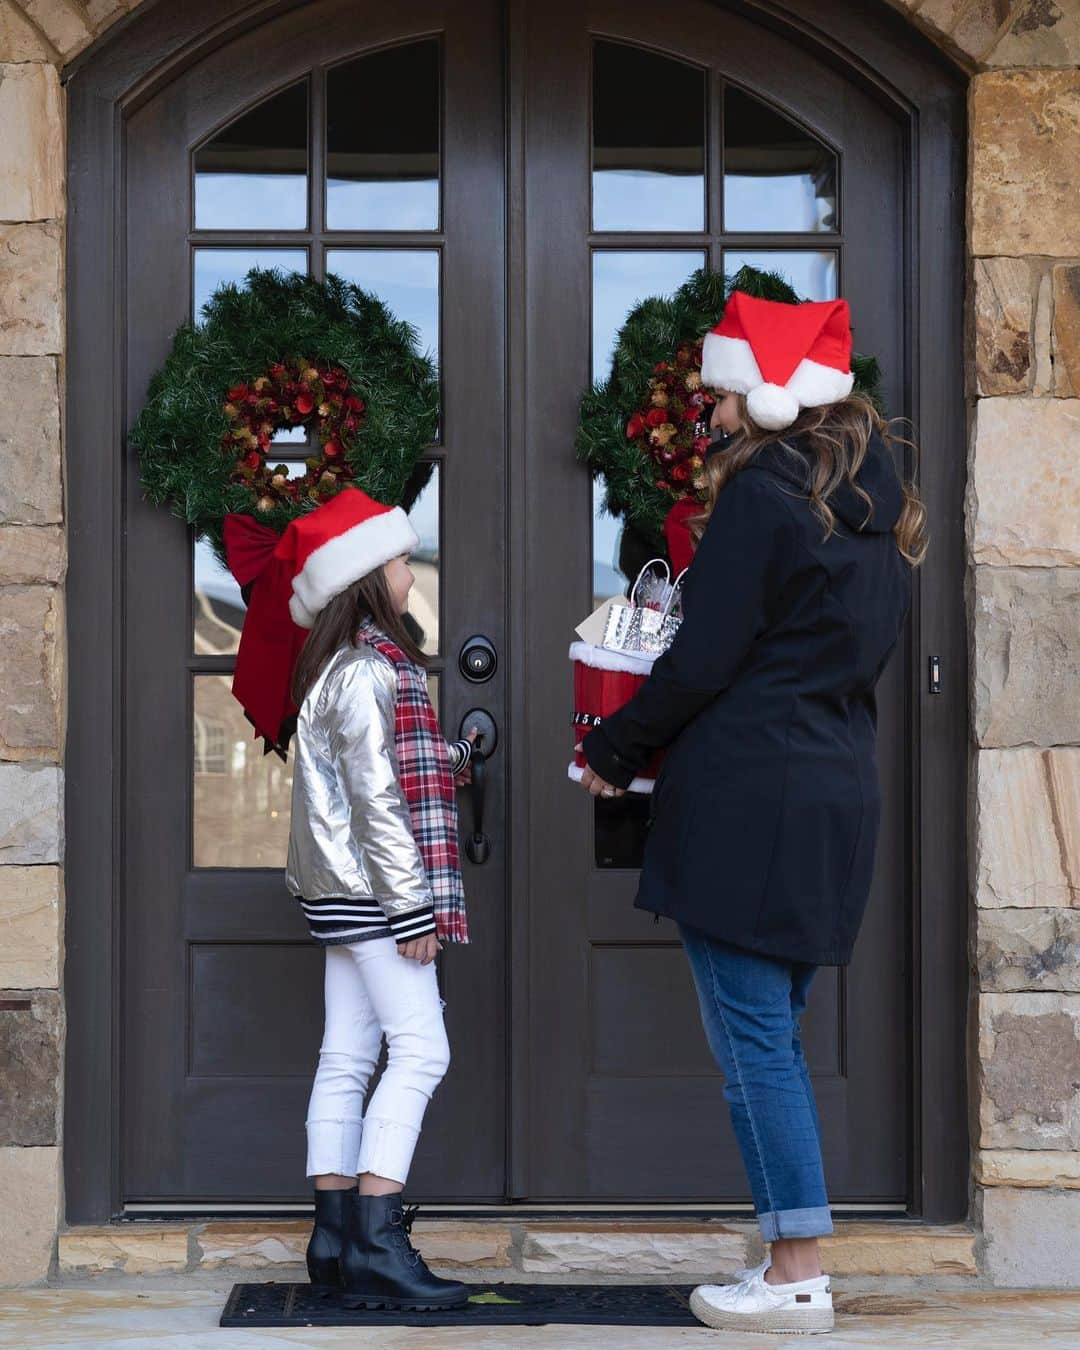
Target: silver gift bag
649 627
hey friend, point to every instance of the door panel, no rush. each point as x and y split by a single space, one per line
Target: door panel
639 1112
222 988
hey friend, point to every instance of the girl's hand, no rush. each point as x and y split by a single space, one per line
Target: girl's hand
461 779
596 786
422 949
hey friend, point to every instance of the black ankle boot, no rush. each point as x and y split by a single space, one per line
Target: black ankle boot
380 1268
324 1246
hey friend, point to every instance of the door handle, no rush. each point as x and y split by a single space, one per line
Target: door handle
477 844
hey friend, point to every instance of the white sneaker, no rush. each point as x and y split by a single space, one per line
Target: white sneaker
753 1305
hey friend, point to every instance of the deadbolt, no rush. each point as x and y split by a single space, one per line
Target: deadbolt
478 661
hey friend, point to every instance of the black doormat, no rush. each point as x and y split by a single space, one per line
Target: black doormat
490 1305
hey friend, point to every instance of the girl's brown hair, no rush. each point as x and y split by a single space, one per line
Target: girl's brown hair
836 437
337 623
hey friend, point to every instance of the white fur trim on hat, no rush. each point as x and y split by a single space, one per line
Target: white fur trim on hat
730 364
814 384
335 565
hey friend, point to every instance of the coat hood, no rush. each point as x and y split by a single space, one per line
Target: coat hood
877 476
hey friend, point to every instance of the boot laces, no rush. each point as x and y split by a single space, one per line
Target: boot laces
404 1227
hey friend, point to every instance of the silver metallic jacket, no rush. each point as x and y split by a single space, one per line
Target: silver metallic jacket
351 829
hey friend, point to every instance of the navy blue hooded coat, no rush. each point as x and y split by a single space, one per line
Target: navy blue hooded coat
765 814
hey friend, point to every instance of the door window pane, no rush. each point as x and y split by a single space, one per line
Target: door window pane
253 174
424 597
382 141
215 266
242 796
776 175
405 279
813 272
621 279
648 141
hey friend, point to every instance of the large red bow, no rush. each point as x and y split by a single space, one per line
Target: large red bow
677 533
270 641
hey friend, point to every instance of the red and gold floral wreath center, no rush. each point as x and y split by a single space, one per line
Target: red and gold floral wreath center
292 393
672 428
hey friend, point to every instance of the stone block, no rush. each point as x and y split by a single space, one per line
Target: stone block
31 289
1003 317
32 146
1065 339
636 1249
135 1249
29 927
979 25
899 1249
1027 827
102 13
1042 33
31 672
1017 949
1030 1237
31 553
940 15
1028 1068
1027 1167
253 1244
1025 139
30 486
31 813
29 1066
1023 499
464 1245
19 39
30 1185
62 24
1026 667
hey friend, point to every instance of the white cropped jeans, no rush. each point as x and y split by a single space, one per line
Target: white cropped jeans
371 992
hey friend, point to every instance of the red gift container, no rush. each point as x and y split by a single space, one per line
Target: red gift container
604 680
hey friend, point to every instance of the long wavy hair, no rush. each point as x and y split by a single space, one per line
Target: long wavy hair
337 623
836 437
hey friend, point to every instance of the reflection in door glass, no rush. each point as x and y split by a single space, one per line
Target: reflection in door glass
382 141
241 797
215 266
648 141
405 279
253 174
813 273
776 175
424 598
620 279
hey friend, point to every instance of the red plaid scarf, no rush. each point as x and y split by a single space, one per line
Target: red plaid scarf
428 784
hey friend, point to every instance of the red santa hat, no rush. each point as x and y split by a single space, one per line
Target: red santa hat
288 579
782 357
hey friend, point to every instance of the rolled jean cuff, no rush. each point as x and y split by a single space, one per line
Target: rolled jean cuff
795 1223
333 1147
387 1149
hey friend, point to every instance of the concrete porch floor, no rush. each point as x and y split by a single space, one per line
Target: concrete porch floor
134 1312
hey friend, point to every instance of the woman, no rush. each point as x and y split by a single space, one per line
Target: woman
765 814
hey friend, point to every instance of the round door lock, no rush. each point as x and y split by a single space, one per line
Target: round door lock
477 661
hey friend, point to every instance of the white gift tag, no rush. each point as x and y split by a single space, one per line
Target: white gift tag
592 629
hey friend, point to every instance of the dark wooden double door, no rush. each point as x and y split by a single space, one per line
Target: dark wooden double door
511 180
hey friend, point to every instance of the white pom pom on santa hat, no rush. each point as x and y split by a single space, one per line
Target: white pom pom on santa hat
782 357
772 407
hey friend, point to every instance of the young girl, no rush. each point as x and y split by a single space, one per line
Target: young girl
373 858
766 810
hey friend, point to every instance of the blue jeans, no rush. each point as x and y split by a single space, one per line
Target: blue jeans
750 1008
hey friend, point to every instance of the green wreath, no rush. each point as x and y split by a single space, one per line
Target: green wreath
286 351
644 429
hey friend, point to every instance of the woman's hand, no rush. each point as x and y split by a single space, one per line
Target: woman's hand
422 949
596 786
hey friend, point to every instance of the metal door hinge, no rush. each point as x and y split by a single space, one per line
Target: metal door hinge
935 675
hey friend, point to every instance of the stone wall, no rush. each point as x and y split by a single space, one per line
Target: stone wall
1024 539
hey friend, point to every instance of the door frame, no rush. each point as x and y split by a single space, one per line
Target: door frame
874 46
